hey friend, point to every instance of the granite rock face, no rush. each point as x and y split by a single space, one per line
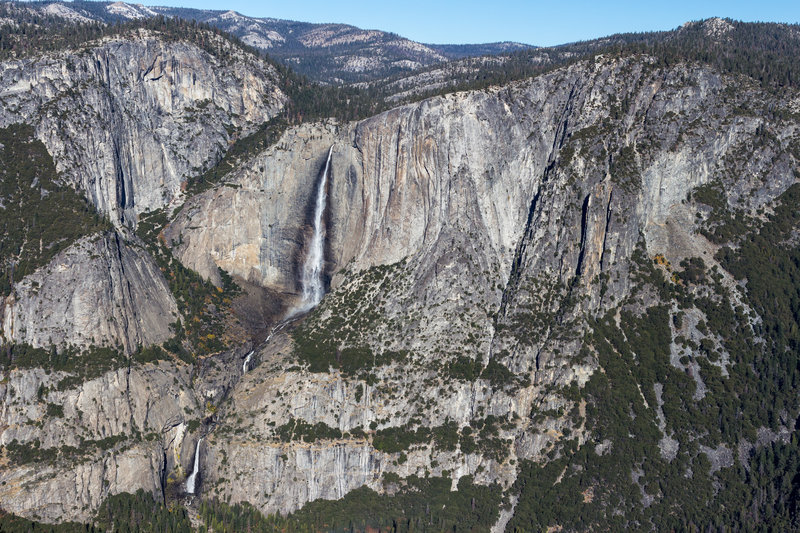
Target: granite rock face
470 241
101 291
495 213
128 119
512 177
119 432
259 234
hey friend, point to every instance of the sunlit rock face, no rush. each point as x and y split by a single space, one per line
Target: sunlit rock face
517 205
470 241
128 119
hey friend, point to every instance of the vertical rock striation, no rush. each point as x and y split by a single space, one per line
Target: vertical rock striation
117 114
494 213
100 291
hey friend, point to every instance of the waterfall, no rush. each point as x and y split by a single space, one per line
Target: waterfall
249 356
190 481
247 360
313 288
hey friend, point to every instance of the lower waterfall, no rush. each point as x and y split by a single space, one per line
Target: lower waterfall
247 360
190 481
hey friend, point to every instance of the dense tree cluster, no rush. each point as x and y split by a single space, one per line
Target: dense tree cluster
10 523
39 215
140 513
418 504
621 478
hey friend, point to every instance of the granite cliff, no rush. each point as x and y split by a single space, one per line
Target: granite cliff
117 114
489 227
546 290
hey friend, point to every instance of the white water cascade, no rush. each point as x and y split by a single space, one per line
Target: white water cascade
247 360
313 287
190 481
249 356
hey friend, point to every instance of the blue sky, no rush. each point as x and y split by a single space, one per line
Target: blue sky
534 22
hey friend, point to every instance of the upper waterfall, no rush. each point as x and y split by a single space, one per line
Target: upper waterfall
311 278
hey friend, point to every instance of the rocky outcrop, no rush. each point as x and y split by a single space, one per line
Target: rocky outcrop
286 476
499 210
471 241
119 432
118 114
101 291
281 475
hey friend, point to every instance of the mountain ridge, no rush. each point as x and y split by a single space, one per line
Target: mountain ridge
331 53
